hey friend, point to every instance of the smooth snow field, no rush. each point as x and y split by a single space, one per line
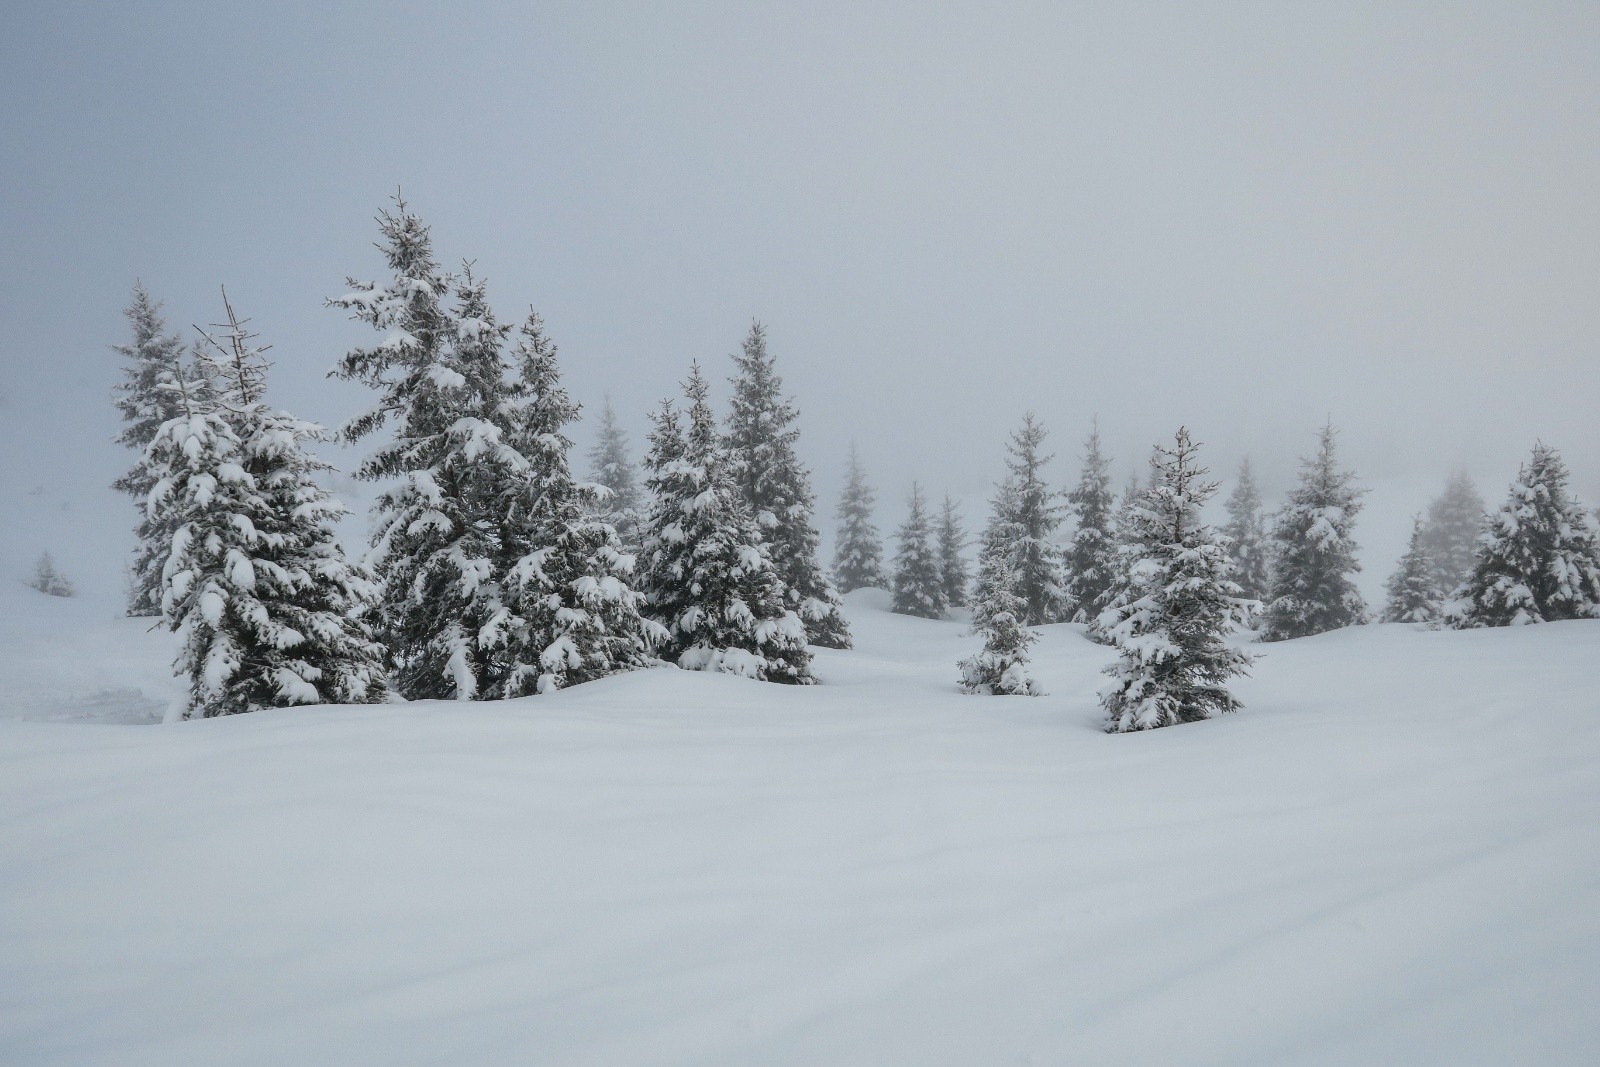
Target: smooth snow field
1391 856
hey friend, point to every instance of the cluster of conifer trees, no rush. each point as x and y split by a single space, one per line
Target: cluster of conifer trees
494 572
1147 575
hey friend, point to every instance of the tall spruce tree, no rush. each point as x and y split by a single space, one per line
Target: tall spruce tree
1314 555
776 488
571 614
436 372
858 550
1413 593
1025 532
1090 555
268 611
609 466
1170 625
1539 559
1247 533
707 574
918 582
1001 667
952 560
147 398
1456 519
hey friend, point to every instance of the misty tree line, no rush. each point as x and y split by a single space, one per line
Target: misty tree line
494 572
1147 575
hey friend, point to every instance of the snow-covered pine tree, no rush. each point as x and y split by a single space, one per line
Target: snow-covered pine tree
1413 593
1026 532
609 466
1314 556
268 611
1090 555
1539 559
918 582
571 613
1170 625
146 399
994 546
1450 533
952 560
46 579
1124 536
435 372
1001 668
1246 529
707 576
858 551
777 488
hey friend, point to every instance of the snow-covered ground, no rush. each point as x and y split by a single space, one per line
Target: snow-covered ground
1392 855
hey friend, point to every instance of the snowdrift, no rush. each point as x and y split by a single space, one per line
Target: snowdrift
1388 857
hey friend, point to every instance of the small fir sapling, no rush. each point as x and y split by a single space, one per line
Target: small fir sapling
1090 555
610 467
1001 668
46 579
952 561
858 550
1246 529
918 582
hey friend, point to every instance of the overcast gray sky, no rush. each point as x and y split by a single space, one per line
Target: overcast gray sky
1243 217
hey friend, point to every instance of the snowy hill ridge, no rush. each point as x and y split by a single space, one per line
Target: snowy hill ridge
1387 856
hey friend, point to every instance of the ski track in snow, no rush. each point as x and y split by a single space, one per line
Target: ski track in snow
1389 856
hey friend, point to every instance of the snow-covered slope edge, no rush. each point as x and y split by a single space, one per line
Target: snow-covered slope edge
1388 856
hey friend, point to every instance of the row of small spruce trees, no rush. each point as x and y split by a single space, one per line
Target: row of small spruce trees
1149 576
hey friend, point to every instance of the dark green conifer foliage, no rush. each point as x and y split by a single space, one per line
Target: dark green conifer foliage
918 582
1090 556
1001 667
776 488
1314 555
268 611
1023 527
1413 593
1539 560
146 400
1124 536
858 553
707 575
435 371
952 560
571 614
1247 533
610 466
1456 519
1171 622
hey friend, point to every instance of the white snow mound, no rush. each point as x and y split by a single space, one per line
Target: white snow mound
1388 857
